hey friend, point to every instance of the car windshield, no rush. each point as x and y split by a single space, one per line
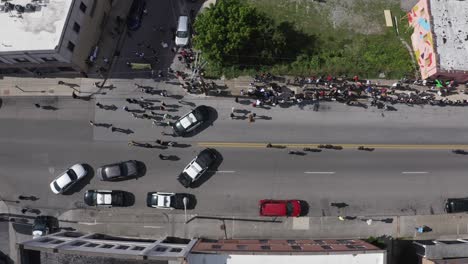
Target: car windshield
57 187
182 34
289 208
72 175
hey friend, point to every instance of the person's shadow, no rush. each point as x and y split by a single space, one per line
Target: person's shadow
173 158
49 107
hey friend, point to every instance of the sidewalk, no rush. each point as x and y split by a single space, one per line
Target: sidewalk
160 224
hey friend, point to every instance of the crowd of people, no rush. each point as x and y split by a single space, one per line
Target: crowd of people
267 89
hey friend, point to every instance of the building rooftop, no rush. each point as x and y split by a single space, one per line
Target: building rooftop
450 27
33 30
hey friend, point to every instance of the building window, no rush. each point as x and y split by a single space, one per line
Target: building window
76 27
21 60
70 46
47 59
83 7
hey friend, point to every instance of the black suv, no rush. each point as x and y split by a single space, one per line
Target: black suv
456 205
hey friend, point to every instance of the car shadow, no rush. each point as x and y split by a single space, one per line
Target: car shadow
182 145
129 199
77 187
304 208
210 172
212 117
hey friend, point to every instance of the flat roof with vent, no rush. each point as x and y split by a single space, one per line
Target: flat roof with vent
38 27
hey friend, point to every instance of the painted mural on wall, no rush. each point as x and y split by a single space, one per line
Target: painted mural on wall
422 38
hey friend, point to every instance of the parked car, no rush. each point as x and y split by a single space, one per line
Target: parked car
197 167
104 198
188 122
136 14
165 200
183 32
71 176
280 208
456 205
118 171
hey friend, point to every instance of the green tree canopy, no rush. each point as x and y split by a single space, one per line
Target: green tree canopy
233 33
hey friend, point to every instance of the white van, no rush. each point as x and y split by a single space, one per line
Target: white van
183 33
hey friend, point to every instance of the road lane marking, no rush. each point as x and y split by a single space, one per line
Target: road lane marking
345 146
319 172
414 172
153 226
87 223
224 171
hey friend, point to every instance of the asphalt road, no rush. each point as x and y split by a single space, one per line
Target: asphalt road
148 38
395 179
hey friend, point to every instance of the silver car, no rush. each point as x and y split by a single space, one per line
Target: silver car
118 171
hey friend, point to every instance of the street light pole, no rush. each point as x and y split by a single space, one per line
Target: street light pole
185 201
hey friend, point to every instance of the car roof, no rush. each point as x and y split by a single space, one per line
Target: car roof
188 120
193 169
63 180
104 198
163 200
274 208
183 23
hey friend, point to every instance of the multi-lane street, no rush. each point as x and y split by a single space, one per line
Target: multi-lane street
412 170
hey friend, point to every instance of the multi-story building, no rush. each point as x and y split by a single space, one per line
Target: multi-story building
50 36
440 38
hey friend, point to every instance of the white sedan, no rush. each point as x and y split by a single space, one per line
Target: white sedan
68 178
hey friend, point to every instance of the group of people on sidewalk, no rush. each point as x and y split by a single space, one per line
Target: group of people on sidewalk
267 91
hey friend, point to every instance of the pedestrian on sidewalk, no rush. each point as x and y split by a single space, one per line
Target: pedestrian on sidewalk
236 99
97 84
99 105
125 108
106 60
251 118
163 157
232 116
37 105
91 123
164 93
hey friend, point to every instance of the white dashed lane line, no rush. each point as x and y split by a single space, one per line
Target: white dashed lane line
414 172
319 172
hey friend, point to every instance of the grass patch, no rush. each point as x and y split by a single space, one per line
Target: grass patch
349 37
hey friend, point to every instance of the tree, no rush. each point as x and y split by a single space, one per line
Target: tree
232 33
